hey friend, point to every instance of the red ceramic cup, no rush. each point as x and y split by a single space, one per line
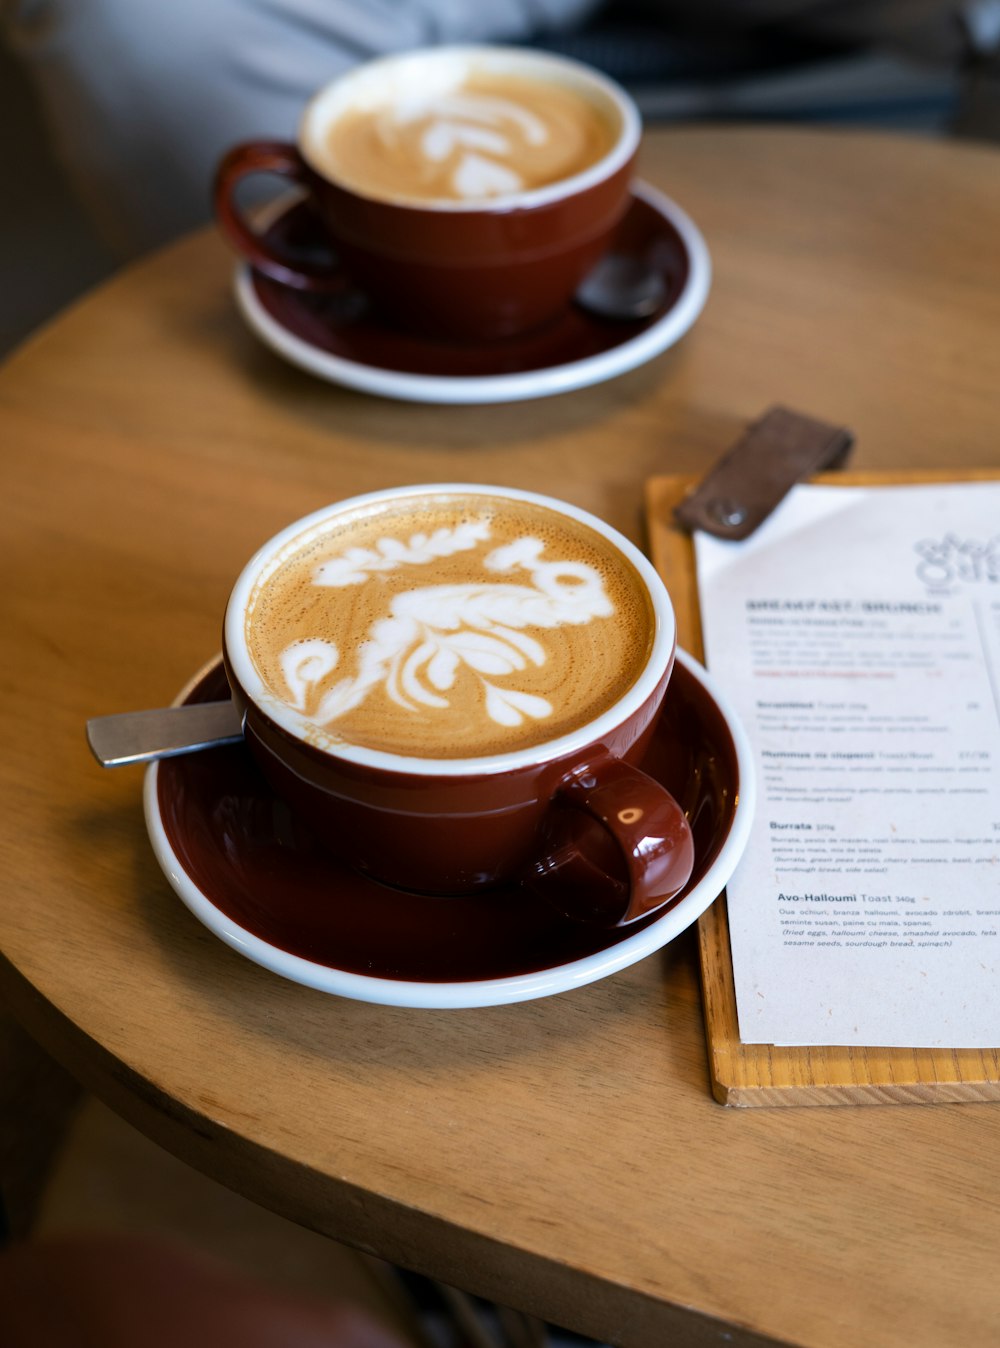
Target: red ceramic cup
482 268
573 817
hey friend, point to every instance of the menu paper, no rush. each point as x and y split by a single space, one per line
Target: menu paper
857 634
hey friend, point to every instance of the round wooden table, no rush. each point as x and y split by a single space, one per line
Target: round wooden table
565 1155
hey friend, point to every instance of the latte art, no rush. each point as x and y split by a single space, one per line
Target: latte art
489 136
457 629
430 633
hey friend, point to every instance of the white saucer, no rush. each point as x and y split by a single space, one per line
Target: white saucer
703 709
573 352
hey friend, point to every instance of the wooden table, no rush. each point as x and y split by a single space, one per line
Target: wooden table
565 1155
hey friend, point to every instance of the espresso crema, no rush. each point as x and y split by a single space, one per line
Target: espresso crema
448 626
489 135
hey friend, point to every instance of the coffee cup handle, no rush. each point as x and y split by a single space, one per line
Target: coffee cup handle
267 156
618 846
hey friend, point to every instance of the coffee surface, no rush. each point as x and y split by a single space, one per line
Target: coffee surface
450 626
491 135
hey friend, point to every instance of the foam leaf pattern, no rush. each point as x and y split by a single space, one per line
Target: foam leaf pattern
304 665
442 668
484 653
509 707
354 566
432 632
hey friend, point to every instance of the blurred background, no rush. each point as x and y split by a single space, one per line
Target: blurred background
915 67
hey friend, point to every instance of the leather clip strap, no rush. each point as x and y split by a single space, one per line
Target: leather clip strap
774 453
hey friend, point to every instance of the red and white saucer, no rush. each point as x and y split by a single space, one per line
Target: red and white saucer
340 339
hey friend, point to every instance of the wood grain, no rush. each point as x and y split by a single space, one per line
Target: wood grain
565 1156
768 1074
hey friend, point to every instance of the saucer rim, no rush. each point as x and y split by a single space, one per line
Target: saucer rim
407 386
483 992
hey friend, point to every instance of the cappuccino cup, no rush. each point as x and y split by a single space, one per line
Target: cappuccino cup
452 685
465 190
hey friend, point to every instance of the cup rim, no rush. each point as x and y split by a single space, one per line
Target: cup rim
658 665
575 73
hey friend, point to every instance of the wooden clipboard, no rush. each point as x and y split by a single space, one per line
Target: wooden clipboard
763 1074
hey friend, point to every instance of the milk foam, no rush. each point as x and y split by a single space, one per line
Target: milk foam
484 137
431 632
479 635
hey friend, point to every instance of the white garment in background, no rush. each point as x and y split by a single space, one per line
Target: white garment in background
144 96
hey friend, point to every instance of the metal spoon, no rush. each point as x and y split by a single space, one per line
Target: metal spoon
622 287
142 736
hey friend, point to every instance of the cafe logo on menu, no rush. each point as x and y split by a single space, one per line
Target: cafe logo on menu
951 560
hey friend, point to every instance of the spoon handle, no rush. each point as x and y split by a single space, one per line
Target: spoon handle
141 736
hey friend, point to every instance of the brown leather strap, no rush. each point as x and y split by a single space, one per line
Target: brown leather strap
774 453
